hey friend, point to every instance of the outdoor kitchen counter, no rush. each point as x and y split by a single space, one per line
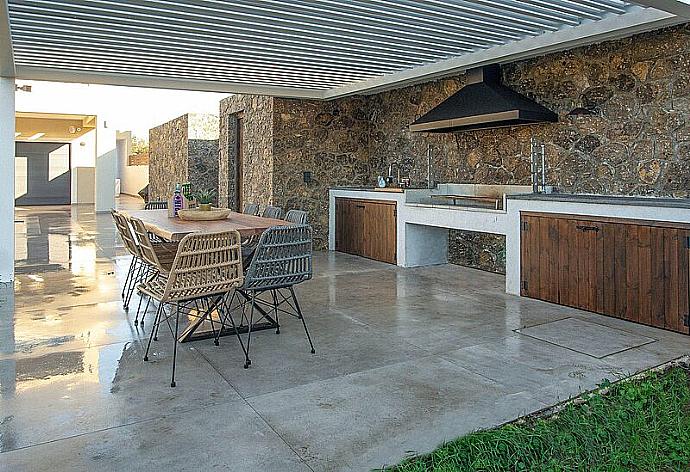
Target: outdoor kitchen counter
422 229
605 199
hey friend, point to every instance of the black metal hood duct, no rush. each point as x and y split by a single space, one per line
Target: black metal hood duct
483 103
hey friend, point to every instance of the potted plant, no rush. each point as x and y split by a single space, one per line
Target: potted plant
205 199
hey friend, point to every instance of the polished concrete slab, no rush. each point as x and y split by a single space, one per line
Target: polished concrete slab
405 359
608 340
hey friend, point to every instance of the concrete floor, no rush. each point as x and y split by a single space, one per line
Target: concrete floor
406 359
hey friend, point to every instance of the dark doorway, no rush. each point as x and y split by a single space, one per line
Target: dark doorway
42 174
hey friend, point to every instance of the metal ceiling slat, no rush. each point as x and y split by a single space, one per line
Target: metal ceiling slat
579 12
310 45
371 8
163 72
65 40
154 34
468 14
614 6
420 23
76 52
268 28
363 25
525 10
143 29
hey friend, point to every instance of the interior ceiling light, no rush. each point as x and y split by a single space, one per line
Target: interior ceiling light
36 136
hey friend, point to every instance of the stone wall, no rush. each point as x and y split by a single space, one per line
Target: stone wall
636 143
203 152
167 157
328 139
183 150
255 114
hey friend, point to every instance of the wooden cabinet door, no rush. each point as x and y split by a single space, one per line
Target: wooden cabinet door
380 232
340 217
637 272
349 226
540 258
675 276
366 228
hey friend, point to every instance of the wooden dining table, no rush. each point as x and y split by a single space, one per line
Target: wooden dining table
174 229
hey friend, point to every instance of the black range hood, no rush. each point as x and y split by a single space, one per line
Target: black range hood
483 103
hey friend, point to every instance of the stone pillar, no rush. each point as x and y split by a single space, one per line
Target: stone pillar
7 128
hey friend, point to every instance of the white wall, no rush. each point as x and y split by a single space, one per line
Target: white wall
117 108
7 179
83 168
106 166
132 178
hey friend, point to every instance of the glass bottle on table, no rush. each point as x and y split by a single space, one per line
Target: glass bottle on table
177 199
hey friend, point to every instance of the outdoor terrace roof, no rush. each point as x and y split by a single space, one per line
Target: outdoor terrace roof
301 48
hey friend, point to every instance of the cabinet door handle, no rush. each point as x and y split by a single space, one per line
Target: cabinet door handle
587 228
359 206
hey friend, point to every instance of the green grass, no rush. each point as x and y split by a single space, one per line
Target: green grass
641 425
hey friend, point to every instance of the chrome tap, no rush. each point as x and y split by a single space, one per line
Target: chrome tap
430 183
538 165
390 173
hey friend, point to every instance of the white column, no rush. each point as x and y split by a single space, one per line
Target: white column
6 179
106 166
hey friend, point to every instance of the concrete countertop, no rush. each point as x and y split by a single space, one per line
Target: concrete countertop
604 199
376 189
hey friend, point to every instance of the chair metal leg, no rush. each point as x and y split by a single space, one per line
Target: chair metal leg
247 361
136 317
228 314
130 271
177 324
136 276
146 309
153 329
301 317
156 324
275 310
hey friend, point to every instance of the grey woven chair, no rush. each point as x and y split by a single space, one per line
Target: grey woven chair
273 212
297 217
251 209
283 259
157 205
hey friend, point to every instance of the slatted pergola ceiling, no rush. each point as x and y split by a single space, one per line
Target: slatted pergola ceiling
310 48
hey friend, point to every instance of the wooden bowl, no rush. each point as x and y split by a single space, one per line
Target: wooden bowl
194 214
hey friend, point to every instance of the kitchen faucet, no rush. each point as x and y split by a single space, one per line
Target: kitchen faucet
537 154
430 184
390 172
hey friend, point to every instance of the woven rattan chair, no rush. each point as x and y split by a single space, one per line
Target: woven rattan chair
137 268
159 256
158 205
251 209
207 265
282 260
273 212
297 217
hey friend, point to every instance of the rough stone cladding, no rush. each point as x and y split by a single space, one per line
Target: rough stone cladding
637 142
256 113
167 157
183 150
